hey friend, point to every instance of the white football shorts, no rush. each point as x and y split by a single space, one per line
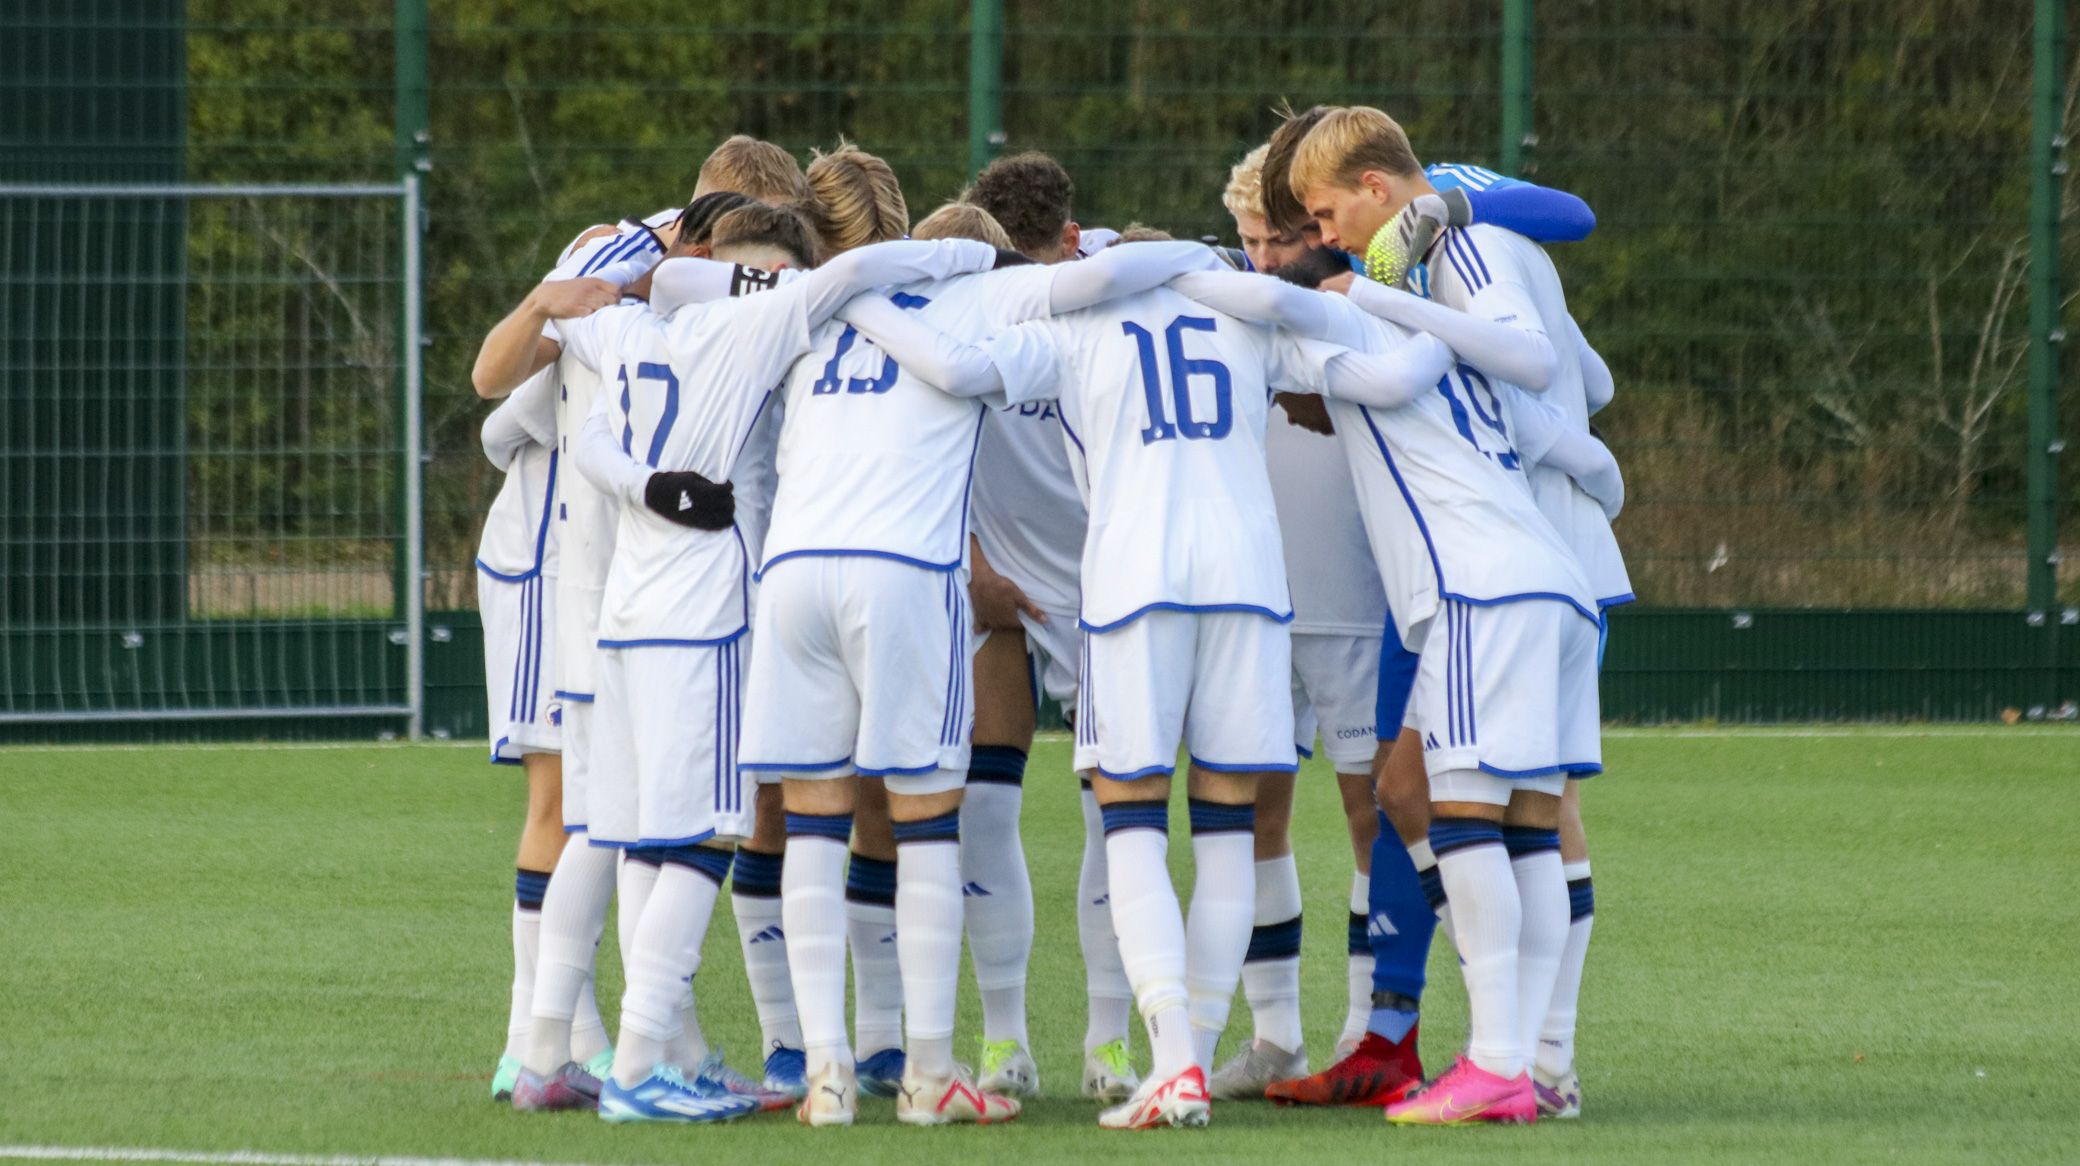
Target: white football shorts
1506 696
1217 682
1054 649
864 665
519 665
577 762
577 639
1335 689
664 746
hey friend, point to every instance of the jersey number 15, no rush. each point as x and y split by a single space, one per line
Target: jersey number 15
1174 418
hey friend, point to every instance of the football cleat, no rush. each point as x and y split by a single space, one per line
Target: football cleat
1175 1101
1007 1068
1468 1095
786 1071
502 1081
1108 1073
881 1075
1249 1072
666 1096
601 1066
1347 1045
1559 1098
569 1087
1377 1072
715 1070
833 1097
950 1100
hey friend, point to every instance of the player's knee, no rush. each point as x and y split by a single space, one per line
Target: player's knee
907 808
821 797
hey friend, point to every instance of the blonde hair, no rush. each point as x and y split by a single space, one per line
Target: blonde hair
962 220
1245 192
1348 142
1142 233
747 166
858 200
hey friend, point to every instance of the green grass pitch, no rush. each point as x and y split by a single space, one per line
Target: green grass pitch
1834 947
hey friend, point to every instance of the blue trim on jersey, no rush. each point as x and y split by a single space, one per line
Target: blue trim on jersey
1137 775
577 697
505 577
1617 601
968 477
849 553
666 642
1473 252
647 843
1520 596
578 828
1202 608
1267 767
1305 753
899 771
809 767
1570 768
1071 432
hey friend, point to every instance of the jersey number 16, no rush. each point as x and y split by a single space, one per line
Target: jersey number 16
1174 418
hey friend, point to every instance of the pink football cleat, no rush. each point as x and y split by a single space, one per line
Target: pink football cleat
1467 1095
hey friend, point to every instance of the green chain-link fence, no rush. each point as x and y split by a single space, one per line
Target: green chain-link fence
1812 274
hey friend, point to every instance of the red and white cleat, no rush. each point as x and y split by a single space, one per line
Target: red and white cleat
1171 1101
951 1100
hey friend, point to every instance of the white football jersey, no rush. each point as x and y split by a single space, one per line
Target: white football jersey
519 541
1441 486
873 461
684 392
1336 588
1163 403
1502 276
1028 515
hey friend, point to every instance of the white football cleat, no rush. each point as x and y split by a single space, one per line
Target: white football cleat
950 1100
833 1098
1177 1101
1007 1068
1559 1098
1108 1072
1248 1072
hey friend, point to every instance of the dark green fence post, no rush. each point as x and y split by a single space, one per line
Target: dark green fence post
1518 138
2047 168
413 139
985 82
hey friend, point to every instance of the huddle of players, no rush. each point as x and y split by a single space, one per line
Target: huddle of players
1130 555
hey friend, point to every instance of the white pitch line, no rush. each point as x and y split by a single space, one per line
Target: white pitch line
237 1157
245 746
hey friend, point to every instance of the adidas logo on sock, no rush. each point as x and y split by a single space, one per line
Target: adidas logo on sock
769 935
1101 900
974 891
1380 925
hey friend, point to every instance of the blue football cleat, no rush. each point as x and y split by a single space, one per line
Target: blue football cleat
881 1075
787 1071
665 1096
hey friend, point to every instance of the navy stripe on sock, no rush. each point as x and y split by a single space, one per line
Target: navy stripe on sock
838 826
944 828
997 763
528 888
1148 815
647 855
1450 834
870 880
1360 944
1433 887
706 859
1274 941
1219 818
1525 840
1581 899
757 874
1084 782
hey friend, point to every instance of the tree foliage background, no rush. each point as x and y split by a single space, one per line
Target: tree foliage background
1808 277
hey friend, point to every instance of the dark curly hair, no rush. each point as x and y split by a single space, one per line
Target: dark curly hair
1028 194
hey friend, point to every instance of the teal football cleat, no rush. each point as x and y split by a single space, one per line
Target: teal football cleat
502 1081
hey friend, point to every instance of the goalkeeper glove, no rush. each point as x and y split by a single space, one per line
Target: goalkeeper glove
1401 244
688 499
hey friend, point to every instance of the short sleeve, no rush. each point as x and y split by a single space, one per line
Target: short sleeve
1028 360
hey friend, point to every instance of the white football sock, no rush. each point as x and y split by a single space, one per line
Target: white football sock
1555 1052
1152 942
877 978
1542 891
1358 1008
997 902
574 912
1271 985
667 954
633 882
527 938
1217 932
928 938
1110 997
1483 893
812 905
764 943
588 1031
